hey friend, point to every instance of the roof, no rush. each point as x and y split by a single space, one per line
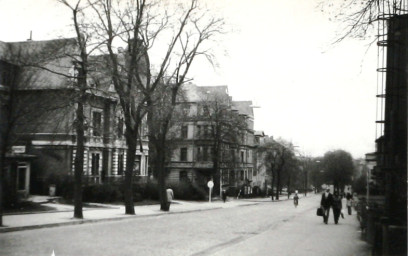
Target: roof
244 107
259 133
43 63
194 93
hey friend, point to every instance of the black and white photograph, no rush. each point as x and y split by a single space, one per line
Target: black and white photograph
203 127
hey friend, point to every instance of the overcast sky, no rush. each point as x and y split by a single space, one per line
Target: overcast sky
280 55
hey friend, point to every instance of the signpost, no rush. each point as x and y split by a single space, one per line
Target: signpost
210 185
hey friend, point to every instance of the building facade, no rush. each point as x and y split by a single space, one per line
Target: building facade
213 140
48 88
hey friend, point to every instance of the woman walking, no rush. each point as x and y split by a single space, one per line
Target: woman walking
296 199
336 207
349 198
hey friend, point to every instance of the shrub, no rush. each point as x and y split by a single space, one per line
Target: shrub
102 193
151 191
186 191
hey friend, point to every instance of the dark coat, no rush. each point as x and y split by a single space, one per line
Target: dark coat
337 203
327 202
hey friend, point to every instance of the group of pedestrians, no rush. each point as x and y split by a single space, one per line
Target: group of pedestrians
334 201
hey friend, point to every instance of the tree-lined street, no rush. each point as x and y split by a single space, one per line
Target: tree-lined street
268 228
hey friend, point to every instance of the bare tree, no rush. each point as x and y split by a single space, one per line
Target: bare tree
227 131
278 156
139 25
81 65
361 18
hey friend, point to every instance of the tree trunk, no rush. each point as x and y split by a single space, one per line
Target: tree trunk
160 165
272 185
1 188
277 184
131 140
2 167
79 160
217 177
288 186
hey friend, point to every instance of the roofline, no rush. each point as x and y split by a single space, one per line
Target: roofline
40 41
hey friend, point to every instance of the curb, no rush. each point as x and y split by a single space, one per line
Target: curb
85 221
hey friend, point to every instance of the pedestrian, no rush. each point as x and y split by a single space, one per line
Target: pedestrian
326 203
296 199
337 207
224 195
349 198
170 197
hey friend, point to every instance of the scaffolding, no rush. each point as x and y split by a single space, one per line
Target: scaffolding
386 9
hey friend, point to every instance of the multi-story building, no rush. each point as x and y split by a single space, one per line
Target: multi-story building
214 139
47 86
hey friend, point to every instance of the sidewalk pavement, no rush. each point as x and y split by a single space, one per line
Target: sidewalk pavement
63 215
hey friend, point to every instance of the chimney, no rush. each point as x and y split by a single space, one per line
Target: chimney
31 36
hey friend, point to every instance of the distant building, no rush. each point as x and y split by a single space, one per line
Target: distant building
214 140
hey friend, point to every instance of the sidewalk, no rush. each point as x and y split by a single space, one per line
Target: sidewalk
63 215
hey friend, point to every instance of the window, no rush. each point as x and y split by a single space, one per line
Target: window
120 164
232 154
120 127
186 110
198 131
206 111
205 154
183 154
95 164
242 156
184 131
242 175
199 154
97 123
136 167
205 127
183 175
91 83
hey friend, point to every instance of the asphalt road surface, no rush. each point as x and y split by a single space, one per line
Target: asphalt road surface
268 228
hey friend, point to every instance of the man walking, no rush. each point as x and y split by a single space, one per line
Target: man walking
326 203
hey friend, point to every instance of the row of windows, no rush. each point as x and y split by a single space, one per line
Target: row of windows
206 153
118 164
228 176
97 128
202 110
205 131
202 130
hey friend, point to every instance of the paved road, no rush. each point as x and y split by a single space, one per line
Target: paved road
265 229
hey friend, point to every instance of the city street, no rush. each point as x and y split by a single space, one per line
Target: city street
268 228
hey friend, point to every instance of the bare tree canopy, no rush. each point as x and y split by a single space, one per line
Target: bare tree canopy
361 19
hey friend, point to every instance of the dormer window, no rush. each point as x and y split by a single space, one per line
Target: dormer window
91 83
73 73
